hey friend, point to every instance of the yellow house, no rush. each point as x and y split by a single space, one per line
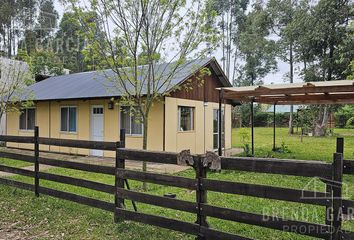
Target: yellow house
78 106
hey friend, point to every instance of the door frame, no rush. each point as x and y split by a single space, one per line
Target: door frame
94 152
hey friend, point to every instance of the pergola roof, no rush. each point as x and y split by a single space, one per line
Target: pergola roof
326 92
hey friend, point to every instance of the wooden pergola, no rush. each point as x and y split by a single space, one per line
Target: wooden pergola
326 92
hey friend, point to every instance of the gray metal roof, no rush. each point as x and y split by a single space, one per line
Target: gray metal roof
101 84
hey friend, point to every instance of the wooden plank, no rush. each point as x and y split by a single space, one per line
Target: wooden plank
36 162
148 156
17 184
347 235
161 179
17 139
119 182
77 182
201 192
303 228
348 206
110 146
19 171
262 191
212 234
176 225
337 195
18 157
158 201
278 166
229 94
78 199
348 167
78 166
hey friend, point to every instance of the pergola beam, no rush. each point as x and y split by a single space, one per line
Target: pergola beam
326 92
234 93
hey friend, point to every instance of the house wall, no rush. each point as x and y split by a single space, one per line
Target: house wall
201 138
198 141
48 121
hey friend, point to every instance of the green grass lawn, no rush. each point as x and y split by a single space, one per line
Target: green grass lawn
12 163
51 218
311 148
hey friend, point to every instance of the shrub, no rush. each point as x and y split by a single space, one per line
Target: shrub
350 123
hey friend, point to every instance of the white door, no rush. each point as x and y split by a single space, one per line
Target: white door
97 127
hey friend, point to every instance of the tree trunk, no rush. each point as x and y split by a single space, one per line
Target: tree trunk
145 134
291 61
320 127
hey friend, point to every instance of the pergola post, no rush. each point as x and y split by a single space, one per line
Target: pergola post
221 96
252 127
274 147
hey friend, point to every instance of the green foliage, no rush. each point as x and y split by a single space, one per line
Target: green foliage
343 114
69 44
245 140
256 49
45 62
350 123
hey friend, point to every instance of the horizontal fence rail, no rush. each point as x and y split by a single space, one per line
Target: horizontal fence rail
148 156
99 145
263 191
161 179
278 166
330 174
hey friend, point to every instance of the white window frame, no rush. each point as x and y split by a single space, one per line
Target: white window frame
19 119
76 122
179 119
130 123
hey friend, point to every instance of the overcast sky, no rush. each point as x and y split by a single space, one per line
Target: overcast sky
277 77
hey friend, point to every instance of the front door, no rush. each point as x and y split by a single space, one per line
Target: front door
97 127
216 121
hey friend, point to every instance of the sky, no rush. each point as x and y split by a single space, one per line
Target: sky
271 78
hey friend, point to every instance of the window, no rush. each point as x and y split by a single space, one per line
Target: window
216 121
68 119
185 119
132 124
27 119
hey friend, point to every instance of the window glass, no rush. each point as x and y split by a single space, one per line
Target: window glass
30 118
68 119
125 119
72 119
186 118
64 119
23 119
27 119
137 126
131 124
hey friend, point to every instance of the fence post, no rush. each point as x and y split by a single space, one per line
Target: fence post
119 182
340 146
337 195
201 194
36 161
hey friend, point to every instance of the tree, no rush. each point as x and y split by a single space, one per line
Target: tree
230 16
15 76
69 43
45 62
47 21
257 50
15 16
146 32
325 35
282 15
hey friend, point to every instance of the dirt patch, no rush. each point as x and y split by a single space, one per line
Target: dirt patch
16 231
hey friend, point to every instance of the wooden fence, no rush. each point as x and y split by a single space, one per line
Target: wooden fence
331 200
